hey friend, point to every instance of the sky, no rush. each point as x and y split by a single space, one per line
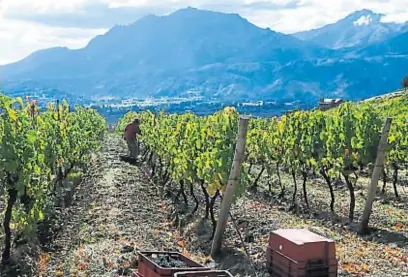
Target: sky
29 25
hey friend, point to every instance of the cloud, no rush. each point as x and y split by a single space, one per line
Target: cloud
19 38
105 14
281 15
312 14
400 17
91 14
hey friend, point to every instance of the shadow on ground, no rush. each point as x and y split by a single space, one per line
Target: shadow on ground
237 262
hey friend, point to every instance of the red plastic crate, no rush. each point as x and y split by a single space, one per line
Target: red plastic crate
301 253
210 273
148 268
280 265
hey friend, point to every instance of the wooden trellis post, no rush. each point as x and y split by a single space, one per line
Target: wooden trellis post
231 185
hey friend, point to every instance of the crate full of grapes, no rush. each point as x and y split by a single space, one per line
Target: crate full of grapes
165 264
209 273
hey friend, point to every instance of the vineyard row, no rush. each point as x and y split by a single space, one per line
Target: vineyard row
196 153
39 150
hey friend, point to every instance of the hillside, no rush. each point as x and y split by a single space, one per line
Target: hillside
216 55
395 46
357 30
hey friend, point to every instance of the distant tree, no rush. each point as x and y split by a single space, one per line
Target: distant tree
405 83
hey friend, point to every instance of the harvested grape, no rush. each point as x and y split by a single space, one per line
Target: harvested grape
168 261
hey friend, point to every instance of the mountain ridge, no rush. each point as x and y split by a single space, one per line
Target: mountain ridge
355 30
116 39
215 54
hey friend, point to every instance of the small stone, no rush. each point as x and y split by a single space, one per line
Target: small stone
120 259
127 249
249 238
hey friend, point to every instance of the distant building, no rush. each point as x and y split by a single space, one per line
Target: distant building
325 103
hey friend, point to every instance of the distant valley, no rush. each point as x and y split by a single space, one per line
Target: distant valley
220 57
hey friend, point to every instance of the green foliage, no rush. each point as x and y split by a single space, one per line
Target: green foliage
193 148
339 142
397 108
35 146
127 118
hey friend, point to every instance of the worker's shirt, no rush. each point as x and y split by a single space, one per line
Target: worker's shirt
131 130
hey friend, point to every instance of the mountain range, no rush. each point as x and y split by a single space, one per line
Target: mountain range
218 55
358 29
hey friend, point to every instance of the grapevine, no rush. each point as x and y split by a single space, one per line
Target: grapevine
38 150
196 152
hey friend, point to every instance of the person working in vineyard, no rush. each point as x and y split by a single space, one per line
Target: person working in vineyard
130 135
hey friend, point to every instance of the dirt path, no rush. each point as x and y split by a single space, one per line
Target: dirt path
117 211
